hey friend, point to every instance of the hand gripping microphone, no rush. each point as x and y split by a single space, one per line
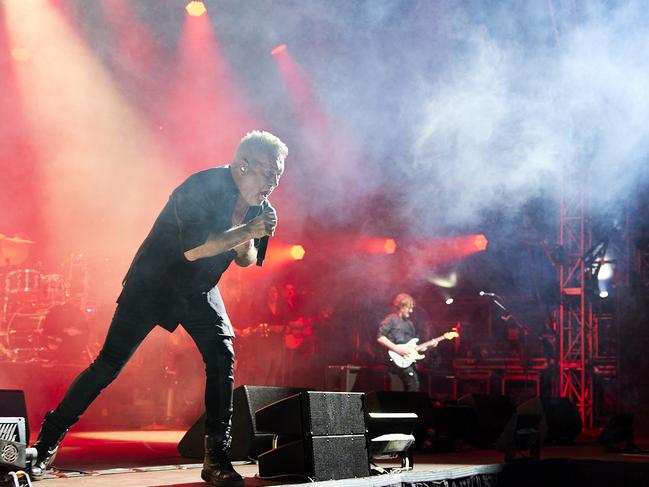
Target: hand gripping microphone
262 245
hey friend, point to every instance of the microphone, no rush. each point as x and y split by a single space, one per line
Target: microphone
261 250
482 293
262 243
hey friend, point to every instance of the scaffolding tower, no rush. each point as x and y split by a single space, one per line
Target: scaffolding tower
575 308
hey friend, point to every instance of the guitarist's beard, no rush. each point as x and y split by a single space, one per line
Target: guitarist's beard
405 313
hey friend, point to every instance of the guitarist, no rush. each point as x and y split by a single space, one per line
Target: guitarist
395 331
270 340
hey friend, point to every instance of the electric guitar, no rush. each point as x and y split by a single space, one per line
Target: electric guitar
300 330
404 361
263 330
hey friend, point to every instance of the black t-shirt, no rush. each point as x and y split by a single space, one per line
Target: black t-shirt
161 281
396 329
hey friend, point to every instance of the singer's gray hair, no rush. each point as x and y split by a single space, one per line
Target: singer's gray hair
260 142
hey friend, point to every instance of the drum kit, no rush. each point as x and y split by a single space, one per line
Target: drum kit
41 319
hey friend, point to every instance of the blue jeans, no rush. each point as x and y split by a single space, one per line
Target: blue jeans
127 330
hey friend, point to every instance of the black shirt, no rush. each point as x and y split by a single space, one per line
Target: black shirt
161 281
397 329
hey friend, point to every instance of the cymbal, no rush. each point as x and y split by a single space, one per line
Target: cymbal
14 250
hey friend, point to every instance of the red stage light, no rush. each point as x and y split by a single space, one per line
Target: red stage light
279 49
480 242
297 252
390 246
195 9
21 54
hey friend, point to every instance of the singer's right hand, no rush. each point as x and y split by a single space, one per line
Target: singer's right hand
264 224
244 248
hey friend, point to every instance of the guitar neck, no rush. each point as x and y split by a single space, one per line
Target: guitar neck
429 343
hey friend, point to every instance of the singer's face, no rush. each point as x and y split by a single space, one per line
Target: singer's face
260 178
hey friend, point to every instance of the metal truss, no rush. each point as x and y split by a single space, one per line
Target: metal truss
642 266
575 309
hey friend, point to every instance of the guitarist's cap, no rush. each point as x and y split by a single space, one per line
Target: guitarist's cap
403 300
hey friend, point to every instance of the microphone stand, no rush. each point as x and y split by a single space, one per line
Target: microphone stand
522 329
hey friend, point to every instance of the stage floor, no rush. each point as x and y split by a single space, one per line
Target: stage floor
149 458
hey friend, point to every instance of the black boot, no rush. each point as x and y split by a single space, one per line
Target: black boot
46 445
217 469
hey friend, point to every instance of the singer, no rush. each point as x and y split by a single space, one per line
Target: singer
211 219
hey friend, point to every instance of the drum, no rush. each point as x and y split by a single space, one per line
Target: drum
22 285
53 289
57 334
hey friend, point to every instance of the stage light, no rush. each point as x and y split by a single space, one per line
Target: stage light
21 54
390 435
195 9
480 242
606 270
444 280
371 244
297 252
449 300
605 275
390 246
279 49
14 453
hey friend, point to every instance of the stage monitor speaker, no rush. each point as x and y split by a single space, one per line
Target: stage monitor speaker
560 422
314 413
247 441
618 435
12 404
403 402
492 412
318 457
452 426
328 436
521 438
370 379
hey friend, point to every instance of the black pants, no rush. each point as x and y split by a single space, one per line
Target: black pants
127 330
408 376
